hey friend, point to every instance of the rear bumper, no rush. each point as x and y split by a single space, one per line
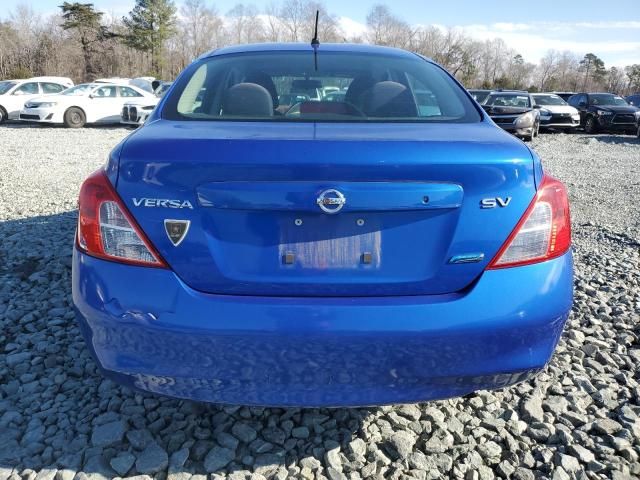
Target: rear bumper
150 331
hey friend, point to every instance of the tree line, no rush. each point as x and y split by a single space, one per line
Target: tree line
156 38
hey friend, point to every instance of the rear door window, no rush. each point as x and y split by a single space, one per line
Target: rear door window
105 92
128 92
30 88
51 87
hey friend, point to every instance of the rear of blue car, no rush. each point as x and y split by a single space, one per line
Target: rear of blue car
389 246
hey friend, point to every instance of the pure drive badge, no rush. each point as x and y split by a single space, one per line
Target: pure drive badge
176 230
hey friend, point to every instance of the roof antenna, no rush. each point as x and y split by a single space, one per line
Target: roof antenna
315 43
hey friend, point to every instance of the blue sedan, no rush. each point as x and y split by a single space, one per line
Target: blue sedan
392 246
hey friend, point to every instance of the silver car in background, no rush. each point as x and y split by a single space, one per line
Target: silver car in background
513 111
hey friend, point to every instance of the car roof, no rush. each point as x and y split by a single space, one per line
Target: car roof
306 47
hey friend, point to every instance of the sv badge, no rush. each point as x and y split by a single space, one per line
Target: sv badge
495 202
176 230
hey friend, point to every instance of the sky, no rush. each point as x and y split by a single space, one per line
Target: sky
612 33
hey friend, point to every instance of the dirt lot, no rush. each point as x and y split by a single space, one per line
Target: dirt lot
580 418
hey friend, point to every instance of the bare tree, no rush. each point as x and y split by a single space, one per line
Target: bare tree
245 25
201 28
387 29
547 69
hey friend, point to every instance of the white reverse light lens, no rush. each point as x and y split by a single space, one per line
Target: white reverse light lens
532 240
119 239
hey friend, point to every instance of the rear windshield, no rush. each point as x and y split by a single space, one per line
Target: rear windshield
344 87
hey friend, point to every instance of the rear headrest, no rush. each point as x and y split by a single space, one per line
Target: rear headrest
389 99
357 87
264 80
247 99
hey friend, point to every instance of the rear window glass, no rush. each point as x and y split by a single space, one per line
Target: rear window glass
345 87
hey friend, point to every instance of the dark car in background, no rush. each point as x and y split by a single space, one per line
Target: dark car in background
514 111
605 112
479 95
634 100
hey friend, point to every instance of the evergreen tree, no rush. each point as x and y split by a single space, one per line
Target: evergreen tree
593 67
86 21
149 25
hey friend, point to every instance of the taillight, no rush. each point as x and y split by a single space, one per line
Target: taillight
543 232
107 230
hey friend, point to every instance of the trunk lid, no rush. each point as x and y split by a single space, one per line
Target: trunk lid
412 196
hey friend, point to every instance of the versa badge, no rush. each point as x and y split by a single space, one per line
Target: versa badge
176 230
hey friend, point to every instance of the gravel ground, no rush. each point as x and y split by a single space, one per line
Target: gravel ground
60 419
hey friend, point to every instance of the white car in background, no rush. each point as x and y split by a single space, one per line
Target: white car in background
82 104
14 93
555 112
135 112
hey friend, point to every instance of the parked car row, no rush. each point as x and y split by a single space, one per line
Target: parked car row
524 114
56 100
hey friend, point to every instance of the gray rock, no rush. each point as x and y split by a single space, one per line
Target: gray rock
555 404
152 459
490 450
532 407
65 474
568 463
332 459
358 447
17 358
122 463
46 474
560 474
218 458
606 426
244 432
582 453
139 439
402 443
227 440
108 434
300 432
523 474
178 459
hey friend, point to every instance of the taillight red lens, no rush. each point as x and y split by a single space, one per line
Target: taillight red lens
543 232
107 230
